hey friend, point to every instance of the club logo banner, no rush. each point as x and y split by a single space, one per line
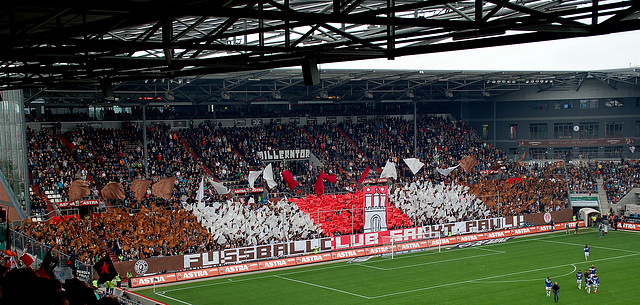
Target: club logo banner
375 208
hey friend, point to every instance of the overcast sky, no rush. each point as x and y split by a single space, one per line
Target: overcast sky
613 51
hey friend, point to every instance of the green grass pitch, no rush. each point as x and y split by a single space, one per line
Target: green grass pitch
508 273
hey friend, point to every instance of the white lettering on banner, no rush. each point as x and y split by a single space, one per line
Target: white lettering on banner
236 268
496 234
443 241
285 154
346 254
465 238
417 233
408 246
309 259
151 280
239 255
544 228
192 274
64 204
273 264
522 231
379 250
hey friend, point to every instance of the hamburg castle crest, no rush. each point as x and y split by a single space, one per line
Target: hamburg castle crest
375 208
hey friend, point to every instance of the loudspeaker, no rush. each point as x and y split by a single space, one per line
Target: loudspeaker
310 72
107 89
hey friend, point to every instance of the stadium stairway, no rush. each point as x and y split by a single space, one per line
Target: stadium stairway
326 156
378 169
602 196
311 139
194 155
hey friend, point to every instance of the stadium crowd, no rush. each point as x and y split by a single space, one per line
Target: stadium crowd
497 186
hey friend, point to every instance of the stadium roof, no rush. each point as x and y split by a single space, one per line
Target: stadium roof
71 42
283 86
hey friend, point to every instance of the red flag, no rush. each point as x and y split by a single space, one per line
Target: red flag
26 258
292 183
331 178
319 188
364 175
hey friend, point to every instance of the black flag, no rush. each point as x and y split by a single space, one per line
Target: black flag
105 269
48 264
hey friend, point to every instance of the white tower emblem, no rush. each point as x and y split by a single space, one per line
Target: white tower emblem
375 208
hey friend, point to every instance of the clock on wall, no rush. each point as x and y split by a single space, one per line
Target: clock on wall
576 128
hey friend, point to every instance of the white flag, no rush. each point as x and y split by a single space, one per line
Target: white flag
200 193
447 170
414 164
253 176
389 171
219 187
267 174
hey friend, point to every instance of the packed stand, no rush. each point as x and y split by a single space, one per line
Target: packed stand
619 178
108 154
51 166
168 157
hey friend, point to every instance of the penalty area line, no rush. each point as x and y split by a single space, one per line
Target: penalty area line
430 263
170 298
535 280
491 277
323 287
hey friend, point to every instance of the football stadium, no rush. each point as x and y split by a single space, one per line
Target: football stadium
200 152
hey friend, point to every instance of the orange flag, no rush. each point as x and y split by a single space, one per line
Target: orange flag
113 190
78 189
164 187
139 188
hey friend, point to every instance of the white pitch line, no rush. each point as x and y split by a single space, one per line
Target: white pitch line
489 277
323 287
170 298
599 247
535 280
428 263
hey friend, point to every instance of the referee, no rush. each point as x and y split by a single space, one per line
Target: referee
556 291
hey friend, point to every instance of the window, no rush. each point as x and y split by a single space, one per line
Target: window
613 103
589 104
564 105
588 130
613 129
562 153
637 129
485 131
588 152
612 151
563 130
538 131
538 153
539 106
513 131
513 150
